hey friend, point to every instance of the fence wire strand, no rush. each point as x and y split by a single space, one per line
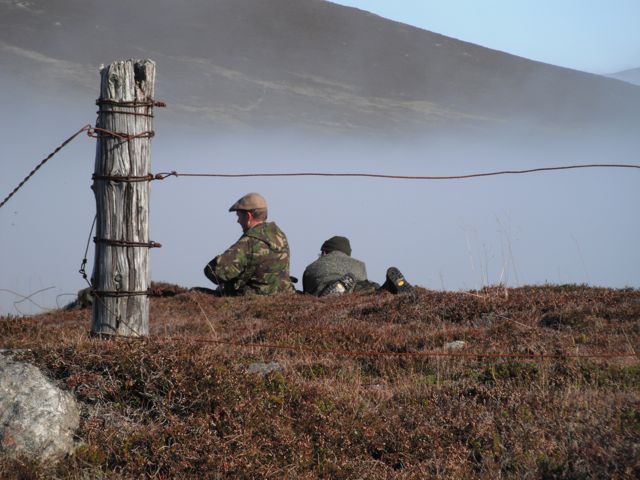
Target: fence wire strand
96 132
424 354
86 128
164 175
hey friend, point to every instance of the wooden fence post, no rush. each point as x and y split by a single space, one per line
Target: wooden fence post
121 185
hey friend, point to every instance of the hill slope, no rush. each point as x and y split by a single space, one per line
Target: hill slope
184 402
631 76
299 62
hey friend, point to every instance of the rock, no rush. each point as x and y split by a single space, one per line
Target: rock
37 419
264 368
455 345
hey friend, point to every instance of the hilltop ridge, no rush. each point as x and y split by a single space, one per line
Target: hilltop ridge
632 75
301 62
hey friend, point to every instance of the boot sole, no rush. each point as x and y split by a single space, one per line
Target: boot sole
398 280
343 285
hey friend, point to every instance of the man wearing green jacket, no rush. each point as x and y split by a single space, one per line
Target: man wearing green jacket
258 263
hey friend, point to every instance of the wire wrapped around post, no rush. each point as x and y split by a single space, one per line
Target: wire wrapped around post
123 130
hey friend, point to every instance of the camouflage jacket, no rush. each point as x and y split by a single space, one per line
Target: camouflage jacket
257 263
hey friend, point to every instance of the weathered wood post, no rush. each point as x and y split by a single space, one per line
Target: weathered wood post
121 185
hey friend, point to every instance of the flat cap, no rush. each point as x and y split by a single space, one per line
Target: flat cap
251 201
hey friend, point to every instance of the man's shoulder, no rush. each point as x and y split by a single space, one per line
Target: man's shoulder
334 258
242 242
269 233
338 256
265 228
313 265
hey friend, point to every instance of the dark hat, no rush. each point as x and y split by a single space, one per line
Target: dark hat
337 243
251 201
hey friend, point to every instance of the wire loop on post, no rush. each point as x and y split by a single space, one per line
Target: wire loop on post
123 112
123 178
134 103
97 132
120 293
163 175
126 243
123 104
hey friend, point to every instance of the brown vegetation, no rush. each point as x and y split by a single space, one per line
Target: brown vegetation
180 406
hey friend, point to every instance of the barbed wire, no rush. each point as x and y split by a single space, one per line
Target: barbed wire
86 128
96 132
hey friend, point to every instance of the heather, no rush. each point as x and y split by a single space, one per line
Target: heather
355 394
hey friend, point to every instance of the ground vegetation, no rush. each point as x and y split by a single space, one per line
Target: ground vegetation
355 393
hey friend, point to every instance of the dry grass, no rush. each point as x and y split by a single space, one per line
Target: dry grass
176 405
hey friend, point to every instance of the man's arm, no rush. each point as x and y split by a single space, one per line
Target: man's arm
231 264
210 270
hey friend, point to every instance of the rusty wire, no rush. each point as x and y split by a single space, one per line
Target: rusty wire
83 272
121 293
370 353
97 132
163 175
124 178
83 265
123 112
86 128
94 132
128 104
126 243
131 103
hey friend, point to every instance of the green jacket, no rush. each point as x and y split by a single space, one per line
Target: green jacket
257 263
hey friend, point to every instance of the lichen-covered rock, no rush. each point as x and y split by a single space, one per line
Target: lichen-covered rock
83 300
37 419
264 368
455 345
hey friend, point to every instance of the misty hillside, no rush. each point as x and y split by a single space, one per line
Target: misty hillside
297 62
632 75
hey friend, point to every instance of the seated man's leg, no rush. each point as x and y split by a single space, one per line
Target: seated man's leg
207 291
366 286
396 283
225 289
344 284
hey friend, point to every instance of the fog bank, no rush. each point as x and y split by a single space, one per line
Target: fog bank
577 226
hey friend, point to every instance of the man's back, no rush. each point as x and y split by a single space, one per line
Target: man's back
258 262
329 268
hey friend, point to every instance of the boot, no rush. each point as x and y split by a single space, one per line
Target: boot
344 284
396 283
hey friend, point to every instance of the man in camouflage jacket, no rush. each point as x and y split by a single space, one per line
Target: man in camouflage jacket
258 262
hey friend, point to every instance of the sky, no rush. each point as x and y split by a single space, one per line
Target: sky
596 36
568 227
